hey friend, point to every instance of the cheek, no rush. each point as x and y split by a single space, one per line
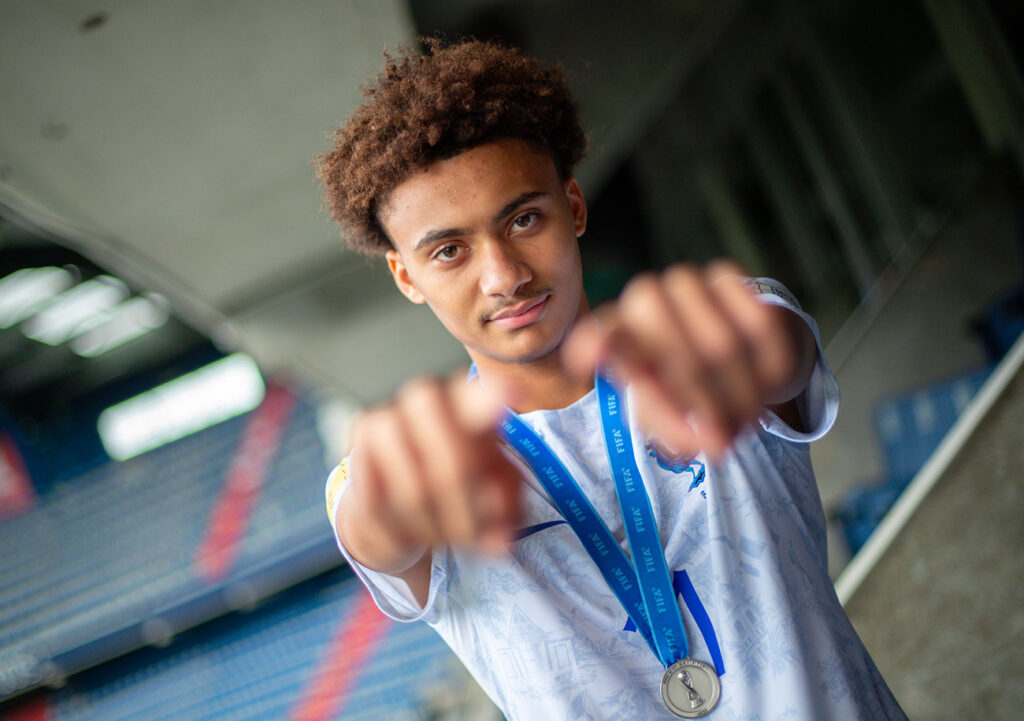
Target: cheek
569 266
450 302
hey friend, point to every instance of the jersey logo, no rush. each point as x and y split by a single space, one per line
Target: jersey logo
676 462
684 589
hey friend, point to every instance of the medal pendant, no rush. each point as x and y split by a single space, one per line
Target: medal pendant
690 688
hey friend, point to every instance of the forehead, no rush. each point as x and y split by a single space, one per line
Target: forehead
467 189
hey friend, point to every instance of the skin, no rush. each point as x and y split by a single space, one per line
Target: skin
489 239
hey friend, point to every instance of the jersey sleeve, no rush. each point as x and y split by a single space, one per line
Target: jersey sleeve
391 594
818 405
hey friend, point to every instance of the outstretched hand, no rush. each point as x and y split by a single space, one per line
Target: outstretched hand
702 355
429 468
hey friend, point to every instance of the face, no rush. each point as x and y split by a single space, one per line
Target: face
488 239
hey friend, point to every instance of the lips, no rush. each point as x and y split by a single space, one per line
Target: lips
521 314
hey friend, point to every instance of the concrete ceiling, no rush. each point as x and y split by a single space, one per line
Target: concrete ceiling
171 143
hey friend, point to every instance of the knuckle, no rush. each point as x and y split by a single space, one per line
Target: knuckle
462 467
724 268
761 330
682 366
420 392
681 274
765 319
641 300
463 525
364 427
455 516
639 289
721 346
386 428
409 501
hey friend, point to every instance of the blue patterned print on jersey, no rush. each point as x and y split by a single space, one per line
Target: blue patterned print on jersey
684 588
676 462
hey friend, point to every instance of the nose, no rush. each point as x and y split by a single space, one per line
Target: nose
503 272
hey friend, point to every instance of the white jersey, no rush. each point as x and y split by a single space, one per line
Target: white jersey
744 539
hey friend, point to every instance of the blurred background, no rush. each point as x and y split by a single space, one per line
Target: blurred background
183 342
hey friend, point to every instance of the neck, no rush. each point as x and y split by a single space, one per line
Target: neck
536 385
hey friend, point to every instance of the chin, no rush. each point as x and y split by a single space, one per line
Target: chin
522 353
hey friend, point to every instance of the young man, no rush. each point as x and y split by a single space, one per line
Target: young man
504 509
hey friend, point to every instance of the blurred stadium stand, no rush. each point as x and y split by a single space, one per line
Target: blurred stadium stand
259 665
111 561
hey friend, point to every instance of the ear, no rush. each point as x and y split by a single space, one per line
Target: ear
402 279
577 205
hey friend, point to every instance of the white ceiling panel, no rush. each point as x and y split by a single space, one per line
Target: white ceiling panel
184 130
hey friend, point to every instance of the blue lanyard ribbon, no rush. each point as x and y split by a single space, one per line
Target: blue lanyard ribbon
643 587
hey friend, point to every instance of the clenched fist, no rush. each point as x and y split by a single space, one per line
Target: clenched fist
428 468
702 354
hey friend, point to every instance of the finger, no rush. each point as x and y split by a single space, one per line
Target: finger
772 351
362 479
665 418
390 456
498 504
499 507
368 482
587 343
719 343
449 463
682 375
496 500
478 407
722 268
508 477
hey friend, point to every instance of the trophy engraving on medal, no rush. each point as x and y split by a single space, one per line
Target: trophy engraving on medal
696 701
690 688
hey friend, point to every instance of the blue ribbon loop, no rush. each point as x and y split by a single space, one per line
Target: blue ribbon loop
643 586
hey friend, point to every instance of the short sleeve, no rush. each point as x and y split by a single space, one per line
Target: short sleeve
391 594
819 403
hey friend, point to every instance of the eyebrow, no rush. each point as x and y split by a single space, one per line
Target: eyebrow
435 235
520 199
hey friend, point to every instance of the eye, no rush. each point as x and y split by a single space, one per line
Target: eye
524 221
447 252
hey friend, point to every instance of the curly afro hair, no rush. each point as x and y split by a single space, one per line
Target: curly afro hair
432 106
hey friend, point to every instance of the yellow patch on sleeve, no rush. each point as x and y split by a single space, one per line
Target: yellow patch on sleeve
336 482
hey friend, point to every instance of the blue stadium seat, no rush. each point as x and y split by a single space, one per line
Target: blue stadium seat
112 549
910 427
258 665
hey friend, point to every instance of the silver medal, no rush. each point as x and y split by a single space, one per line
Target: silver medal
690 688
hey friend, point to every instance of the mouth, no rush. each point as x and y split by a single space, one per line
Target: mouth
521 314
